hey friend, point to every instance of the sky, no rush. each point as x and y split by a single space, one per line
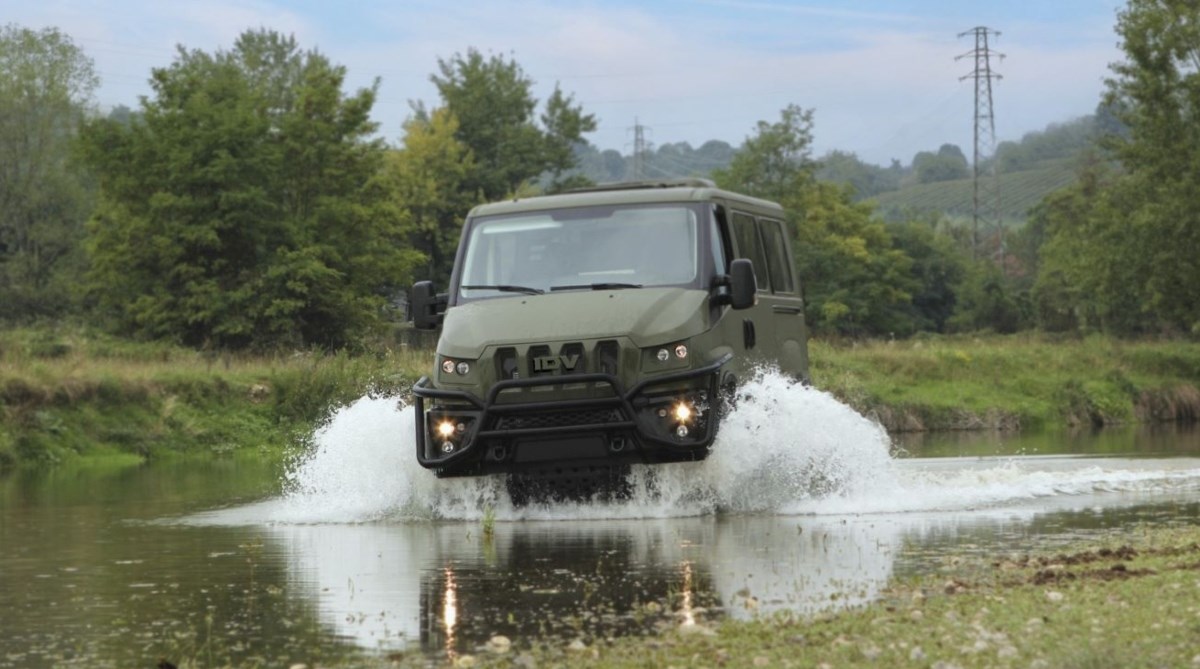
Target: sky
881 76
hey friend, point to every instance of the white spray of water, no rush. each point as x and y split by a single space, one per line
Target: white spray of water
784 449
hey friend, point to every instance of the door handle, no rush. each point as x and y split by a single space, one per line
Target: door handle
749 338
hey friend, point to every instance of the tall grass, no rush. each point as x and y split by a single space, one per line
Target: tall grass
1010 382
68 393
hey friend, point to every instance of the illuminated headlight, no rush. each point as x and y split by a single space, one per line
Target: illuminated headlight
663 355
682 412
448 366
446 429
463 368
681 351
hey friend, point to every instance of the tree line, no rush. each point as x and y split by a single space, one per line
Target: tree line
248 203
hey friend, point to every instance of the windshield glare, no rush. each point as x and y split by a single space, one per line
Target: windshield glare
580 248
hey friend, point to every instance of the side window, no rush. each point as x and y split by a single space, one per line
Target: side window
745 234
717 243
777 253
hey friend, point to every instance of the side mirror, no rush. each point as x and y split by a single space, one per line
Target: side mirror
428 308
742 284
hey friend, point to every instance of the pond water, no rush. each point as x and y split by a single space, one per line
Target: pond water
353 550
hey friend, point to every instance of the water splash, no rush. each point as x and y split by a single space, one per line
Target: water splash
783 449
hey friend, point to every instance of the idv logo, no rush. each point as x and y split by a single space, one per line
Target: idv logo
555 363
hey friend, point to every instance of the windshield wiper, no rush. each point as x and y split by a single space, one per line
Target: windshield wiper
597 286
505 288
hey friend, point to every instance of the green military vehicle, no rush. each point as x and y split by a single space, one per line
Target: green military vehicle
587 331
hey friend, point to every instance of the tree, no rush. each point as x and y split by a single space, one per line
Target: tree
428 178
493 101
947 164
244 204
1155 92
776 163
46 84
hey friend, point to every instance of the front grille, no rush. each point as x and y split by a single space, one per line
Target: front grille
568 418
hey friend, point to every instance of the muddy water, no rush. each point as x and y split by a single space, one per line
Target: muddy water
352 550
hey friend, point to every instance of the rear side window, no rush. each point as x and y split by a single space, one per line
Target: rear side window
777 254
749 245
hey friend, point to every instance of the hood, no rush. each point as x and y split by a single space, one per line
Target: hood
647 316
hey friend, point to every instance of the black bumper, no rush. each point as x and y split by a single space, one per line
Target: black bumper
621 427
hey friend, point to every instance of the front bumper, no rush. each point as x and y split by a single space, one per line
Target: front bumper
619 427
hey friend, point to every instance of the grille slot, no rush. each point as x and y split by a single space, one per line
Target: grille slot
567 418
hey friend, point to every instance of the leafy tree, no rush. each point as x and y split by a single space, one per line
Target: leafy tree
243 206
939 267
776 163
1155 91
46 84
947 164
493 101
428 177
858 282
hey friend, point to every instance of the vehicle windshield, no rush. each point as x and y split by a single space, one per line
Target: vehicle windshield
587 248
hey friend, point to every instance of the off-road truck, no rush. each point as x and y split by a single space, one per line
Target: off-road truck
586 331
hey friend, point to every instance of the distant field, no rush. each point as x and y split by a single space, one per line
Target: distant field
1019 192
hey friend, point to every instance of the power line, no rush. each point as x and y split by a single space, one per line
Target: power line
985 136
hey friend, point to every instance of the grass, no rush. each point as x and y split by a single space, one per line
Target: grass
1020 381
64 394
69 393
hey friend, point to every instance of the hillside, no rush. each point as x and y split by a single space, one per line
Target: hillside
1019 192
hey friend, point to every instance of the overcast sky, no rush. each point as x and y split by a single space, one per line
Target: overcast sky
881 76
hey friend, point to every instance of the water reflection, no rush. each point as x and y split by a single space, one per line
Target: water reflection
397 586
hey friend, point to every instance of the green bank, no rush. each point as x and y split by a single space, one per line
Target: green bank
66 394
71 394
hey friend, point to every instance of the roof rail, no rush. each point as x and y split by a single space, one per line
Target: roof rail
687 182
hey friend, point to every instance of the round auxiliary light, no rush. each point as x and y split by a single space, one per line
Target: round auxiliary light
683 412
447 447
445 428
681 431
681 351
460 428
463 368
663 355
448 366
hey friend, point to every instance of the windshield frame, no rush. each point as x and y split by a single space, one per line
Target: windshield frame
701 212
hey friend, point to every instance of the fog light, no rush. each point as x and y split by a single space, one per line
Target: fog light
448 366
681 431
683 412
447 447
681 351
463 368
445 428
663 355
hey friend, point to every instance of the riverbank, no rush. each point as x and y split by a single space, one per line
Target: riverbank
1013 382
70 394
1126 601
67 394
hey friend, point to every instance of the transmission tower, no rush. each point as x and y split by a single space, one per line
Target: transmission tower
639 150
986 187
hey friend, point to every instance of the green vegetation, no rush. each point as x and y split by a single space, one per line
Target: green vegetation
955 383
68 394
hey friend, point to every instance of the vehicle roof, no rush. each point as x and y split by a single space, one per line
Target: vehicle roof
638 192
